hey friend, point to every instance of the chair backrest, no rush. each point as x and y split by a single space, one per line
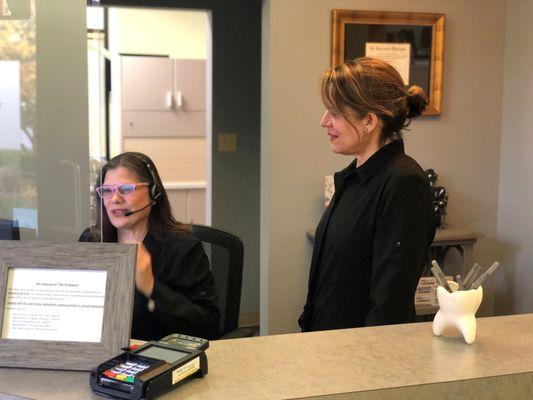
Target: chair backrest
225 252
8 231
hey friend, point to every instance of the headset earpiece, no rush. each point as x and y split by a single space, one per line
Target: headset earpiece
155 192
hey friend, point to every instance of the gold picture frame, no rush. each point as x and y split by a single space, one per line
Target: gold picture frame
351 30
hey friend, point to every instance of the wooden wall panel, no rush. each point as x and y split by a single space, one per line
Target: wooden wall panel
196 205
178 201
177 159
188 205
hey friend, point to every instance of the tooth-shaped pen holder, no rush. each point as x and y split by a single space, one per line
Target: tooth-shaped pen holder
458 310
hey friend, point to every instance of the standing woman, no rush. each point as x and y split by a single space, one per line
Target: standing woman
371 244
175 289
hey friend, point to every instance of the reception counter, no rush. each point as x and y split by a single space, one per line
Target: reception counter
389 362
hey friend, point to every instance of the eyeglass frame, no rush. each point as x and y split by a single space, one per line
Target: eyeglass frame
115 189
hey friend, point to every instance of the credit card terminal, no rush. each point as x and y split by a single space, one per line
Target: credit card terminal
152 369
189 342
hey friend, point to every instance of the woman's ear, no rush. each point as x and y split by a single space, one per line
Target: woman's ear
370 122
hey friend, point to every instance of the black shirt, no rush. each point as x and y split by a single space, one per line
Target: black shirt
184 294
371 244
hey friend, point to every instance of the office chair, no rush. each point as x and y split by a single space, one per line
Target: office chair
8 231
225 252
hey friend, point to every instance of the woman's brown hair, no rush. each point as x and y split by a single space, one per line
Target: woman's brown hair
161 222
370 85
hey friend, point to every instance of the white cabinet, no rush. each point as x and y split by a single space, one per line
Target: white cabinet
146 83
190 84
163 97
188 204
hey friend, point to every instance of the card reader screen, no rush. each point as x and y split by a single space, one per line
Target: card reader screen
160 353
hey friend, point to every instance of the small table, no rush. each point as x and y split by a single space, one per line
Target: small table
447 238
452 237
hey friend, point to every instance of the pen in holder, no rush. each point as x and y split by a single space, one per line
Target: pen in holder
458 309
459 301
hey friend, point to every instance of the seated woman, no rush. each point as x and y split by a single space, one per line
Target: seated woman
175 289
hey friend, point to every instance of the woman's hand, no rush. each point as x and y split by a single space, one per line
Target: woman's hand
144 276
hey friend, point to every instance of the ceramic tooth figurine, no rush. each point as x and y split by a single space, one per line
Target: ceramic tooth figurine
458 309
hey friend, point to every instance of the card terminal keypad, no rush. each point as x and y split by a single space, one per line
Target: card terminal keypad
126 371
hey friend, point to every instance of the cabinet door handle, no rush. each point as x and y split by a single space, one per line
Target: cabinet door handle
179 99
168 99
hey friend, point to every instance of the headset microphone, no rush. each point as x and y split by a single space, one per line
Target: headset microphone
129 212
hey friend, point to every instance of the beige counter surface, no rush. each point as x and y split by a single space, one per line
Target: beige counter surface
399 361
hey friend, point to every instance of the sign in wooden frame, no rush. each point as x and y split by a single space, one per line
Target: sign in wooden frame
64 306
353 30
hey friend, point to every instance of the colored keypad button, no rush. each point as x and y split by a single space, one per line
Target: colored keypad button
109 373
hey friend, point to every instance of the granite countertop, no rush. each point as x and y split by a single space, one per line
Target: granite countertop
327 363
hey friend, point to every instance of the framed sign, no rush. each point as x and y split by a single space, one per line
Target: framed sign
64 306
411 42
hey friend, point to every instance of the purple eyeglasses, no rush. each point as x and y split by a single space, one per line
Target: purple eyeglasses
126 189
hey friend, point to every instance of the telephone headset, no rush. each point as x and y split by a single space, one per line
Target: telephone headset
155 192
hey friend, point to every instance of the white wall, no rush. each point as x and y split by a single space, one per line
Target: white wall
515 222
96 89
179 34
235 109
462 145
176 33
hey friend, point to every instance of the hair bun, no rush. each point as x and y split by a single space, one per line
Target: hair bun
416 101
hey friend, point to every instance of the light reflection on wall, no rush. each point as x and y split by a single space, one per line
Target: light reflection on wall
18 194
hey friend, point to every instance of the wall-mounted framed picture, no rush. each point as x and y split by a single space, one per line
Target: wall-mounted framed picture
411 42
64 305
